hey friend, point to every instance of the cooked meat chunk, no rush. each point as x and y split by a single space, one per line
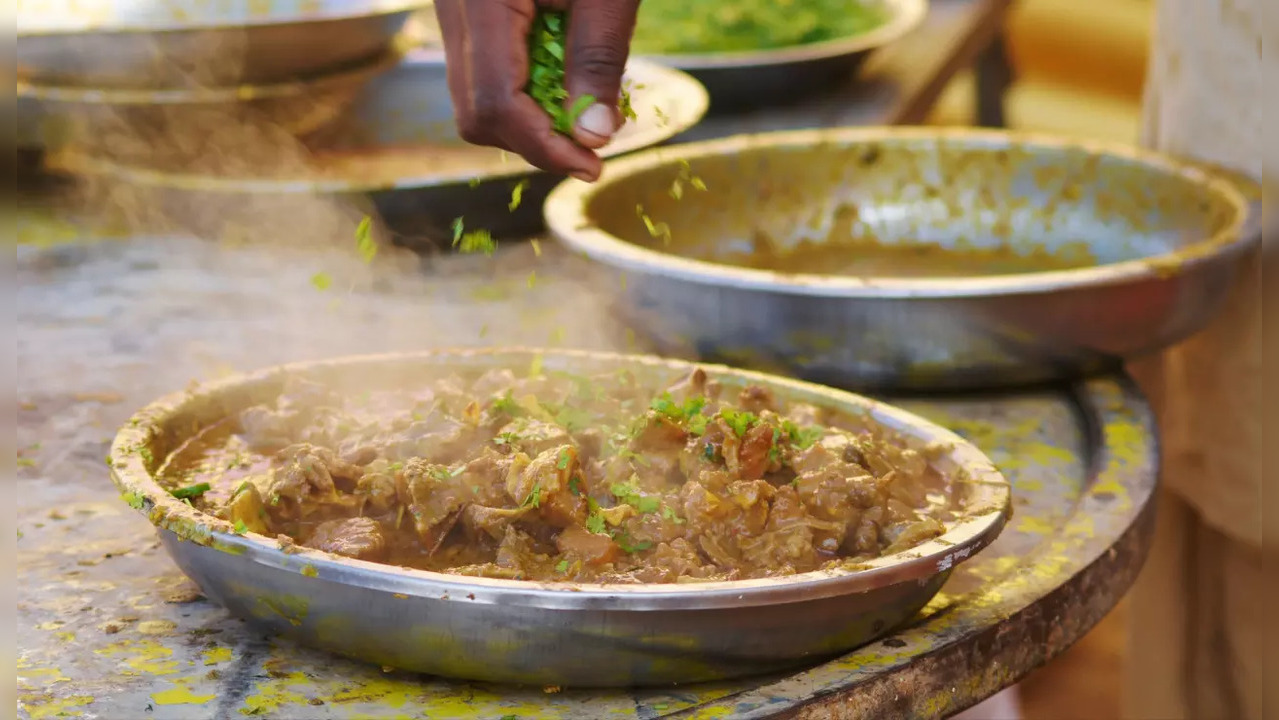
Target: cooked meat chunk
360 538
551 483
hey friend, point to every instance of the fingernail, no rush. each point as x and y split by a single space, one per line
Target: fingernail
582 175
597 120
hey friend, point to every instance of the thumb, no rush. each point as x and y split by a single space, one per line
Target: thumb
599 41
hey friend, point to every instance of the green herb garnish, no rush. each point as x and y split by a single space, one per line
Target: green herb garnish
629 493
517 194
670 514
739 420
364 242
322 281
191 491
561 567
240 527
534 498
594 520
804 437
472 241
563 461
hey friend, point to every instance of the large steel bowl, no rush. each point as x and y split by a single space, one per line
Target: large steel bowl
738 81
405 117
127 123
548 633
123 44
1166 238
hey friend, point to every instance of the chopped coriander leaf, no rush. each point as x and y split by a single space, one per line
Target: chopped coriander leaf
669 514
804 437
561 567
563 461
322 281
507 404
191 491
534 498
474 182
240 527
537 247
535 366
595 520
517 194
532 279
625 542
739 420
506 438
364 242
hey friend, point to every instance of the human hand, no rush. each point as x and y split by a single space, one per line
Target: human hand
486 45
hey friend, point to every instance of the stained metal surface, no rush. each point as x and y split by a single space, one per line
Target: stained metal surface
575 634
1165 238
124 44
107 628
408 112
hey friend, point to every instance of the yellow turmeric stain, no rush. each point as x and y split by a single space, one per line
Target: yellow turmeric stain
32 678
216 655
40 707
274 693
180 695
142 656
1035 525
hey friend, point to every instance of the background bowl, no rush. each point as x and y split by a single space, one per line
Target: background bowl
128 123
1165 238
548 633
738 81
398 146
125 44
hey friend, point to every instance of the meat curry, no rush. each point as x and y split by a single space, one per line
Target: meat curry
560 477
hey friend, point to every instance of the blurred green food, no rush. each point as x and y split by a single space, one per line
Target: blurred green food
704 26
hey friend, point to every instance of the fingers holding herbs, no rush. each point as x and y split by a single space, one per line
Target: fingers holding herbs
529 77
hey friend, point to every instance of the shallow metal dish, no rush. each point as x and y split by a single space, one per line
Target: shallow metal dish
407 108
1167 237
742 80
128 123
122 44
546 633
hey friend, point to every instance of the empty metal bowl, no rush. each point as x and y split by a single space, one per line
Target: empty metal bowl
124 44
1159 240
548 633
398 146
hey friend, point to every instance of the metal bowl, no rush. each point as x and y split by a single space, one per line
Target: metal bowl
120 44
114 123
1166 237
547 633
405 116
739 81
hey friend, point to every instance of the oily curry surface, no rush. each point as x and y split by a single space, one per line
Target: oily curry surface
560 477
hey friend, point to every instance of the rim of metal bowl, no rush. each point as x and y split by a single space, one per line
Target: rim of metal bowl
904 16
988 511
73 95
84 22
693 104
565 213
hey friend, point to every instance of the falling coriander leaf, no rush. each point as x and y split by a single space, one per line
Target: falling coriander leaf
561 567
240 527
517 194
476 241
532 279
535 366
537 247
473 182
190 491
459 227
322 281
655 229
364 242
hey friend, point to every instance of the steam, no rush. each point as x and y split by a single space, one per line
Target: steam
228 281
